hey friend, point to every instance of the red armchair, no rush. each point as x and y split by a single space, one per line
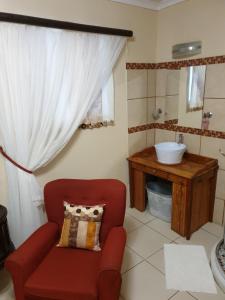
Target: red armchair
42 271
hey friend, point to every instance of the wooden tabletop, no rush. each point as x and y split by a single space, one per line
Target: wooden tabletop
191 166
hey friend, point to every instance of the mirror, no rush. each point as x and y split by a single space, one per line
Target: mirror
167 91
195 88
191 96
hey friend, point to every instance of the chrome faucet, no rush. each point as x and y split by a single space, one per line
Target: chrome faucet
180 138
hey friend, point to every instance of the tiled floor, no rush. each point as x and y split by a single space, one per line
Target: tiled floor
143 265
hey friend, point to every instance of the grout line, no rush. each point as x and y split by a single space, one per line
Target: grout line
170 95
143 258
160 233
155 252
140 220
178 238
154 267
141 98
132 267
192 295
212 98
173 295
219 197
132 230
211 232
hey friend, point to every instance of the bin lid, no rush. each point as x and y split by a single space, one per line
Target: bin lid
161 187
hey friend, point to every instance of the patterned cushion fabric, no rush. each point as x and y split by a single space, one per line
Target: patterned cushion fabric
81 226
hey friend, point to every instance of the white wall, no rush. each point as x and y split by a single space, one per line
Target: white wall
192 20
98 153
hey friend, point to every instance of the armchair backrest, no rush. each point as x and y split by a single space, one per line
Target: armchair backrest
87 192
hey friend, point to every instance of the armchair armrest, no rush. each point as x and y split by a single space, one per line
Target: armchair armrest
109 281
23 261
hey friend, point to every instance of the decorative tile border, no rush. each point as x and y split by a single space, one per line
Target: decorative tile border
174 65
173 121
141 128
177 128
138 66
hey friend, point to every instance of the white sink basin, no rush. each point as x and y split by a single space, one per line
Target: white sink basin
170 152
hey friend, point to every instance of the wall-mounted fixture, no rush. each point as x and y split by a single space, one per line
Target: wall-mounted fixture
187 49
205 119
208 114
156 114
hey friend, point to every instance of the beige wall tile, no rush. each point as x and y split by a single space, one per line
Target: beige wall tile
215 77
218 211
192 141
150 137
171 107
151 83
151 104
137 112
161 82
210 147
217 107
172 86
137 141
220 186
160 104
164 136
136 84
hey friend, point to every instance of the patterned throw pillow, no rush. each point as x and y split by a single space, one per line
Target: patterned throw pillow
81 226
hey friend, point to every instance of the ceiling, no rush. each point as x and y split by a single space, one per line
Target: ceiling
150 4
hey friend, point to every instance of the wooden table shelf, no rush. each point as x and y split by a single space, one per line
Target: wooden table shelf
193 191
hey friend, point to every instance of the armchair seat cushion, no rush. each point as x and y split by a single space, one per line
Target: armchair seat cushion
65 273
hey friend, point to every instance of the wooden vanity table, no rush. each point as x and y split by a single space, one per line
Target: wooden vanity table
193 189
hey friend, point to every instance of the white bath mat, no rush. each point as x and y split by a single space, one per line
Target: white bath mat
187 269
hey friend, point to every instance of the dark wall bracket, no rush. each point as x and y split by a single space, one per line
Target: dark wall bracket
28 20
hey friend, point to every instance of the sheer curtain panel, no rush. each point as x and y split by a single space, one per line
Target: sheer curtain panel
49 80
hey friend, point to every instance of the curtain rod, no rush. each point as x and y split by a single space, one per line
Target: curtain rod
28 20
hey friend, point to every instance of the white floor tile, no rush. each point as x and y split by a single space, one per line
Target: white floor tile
200 237
214 228
144 282
164 228
203 296
130 259
157 260
130 223
6 288
182 296
144 241
143 217
7 293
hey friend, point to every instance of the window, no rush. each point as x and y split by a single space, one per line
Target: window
102 111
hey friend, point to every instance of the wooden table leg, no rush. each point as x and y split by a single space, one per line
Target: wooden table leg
139 190
181 209
212 195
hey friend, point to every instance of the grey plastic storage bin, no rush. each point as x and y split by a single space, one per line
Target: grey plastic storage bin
160 199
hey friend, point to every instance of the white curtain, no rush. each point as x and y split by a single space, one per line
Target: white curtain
49 79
